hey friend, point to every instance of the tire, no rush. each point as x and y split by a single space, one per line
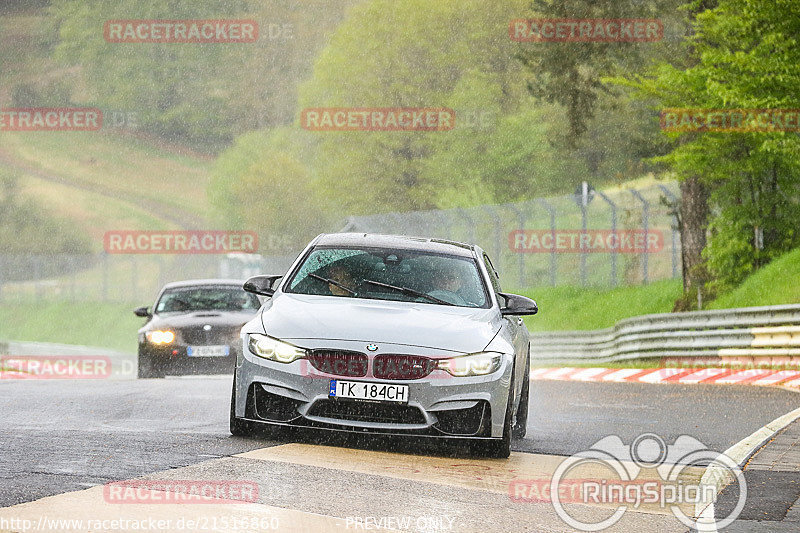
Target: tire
520 428
501 448
147 368
238 427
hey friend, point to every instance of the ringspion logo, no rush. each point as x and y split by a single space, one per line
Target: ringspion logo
51 119
586 30
180 31
180 242
690 500
730 120
586 241
378 119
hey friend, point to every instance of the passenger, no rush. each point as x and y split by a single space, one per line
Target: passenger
447 283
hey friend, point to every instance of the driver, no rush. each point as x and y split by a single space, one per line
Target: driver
342 275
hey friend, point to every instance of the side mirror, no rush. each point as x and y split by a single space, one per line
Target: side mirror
261 285
518 305
142 312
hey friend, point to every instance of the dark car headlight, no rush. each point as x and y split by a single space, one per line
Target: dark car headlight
274 350
160 336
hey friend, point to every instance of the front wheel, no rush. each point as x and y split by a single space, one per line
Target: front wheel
238 427
501 448
147 367
521 420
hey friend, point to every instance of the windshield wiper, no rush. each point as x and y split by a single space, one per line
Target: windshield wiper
332 282
406 290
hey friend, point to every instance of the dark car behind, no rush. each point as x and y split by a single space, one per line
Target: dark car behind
193 328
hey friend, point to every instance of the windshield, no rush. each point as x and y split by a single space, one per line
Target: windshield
190 299
388 274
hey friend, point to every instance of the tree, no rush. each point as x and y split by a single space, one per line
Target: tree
746 55
201 94
413 54
259 185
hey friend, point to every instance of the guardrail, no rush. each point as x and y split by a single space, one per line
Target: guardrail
771 334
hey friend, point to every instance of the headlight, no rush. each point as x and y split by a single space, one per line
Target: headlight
475 364
274 350
160 337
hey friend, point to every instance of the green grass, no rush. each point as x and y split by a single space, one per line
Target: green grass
574 308
103 325
775 284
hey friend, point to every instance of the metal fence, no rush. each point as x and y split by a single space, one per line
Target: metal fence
130 278
770 333
137 278
644 212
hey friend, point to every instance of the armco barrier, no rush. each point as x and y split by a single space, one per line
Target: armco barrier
751 332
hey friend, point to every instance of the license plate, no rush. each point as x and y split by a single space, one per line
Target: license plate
208 351
360 390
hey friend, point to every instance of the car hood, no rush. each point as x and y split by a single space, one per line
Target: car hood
200 318
293 317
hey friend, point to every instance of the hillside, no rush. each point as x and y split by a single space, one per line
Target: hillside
113 178
775 284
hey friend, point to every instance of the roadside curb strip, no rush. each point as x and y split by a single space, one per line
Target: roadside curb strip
683 376
741 453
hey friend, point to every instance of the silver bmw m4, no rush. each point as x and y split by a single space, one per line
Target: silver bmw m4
389 335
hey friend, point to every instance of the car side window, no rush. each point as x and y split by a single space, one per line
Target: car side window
493 277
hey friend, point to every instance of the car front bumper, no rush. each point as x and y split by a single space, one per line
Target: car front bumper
439 405
173 359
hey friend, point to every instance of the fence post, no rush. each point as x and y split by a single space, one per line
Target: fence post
614 233
498 231
553 259
646 225
584 227
161 277
521 256
73 277
397 223
470 225
104 268
37 274
446 227
674 226
423 223
133 278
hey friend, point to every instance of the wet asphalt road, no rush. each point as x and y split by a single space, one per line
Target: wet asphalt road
59 436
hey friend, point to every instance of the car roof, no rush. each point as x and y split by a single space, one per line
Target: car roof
203 283
400 242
